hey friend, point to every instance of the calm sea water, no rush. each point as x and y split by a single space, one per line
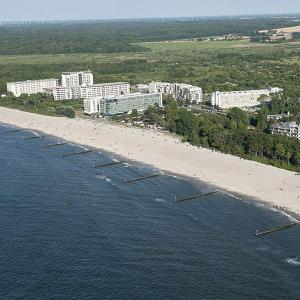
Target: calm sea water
69 231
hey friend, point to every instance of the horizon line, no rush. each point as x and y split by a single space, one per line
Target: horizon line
278 15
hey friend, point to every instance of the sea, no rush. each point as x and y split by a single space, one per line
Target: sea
72 231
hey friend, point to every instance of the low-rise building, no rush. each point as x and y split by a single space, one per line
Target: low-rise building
250 98
30 87
291 129
278 116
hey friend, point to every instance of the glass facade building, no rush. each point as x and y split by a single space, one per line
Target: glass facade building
109 106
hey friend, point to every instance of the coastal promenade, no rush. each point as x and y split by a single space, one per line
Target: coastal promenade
277 187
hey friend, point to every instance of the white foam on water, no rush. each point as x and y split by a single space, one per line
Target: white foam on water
160 200
171 175
262 205
84 148
293 261
233 196
103 177
291 218
33 132
126 165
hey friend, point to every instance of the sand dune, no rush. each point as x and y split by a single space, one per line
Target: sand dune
272 185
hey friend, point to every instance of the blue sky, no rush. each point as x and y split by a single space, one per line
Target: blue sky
116 9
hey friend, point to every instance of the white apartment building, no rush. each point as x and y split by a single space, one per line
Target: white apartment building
61 93
73 79
65 93
91 91
91 106
180 91
250 98
290 129
162 87
112 105
188 92
30 87
142 88
104 89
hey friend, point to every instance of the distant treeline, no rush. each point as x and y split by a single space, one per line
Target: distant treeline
114 37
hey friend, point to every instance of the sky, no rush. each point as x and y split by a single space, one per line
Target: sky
21 10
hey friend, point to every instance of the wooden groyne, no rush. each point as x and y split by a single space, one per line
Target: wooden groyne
284 227
142 178
16 130
108 164
54 145
34 137
196 196
77 153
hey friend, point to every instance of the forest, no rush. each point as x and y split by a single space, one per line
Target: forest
118 36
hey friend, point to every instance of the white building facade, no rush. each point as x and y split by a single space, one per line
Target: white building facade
91 106
30 87
180 91
250 98
104 89
188 92
162 87
74 79
112 105
291 129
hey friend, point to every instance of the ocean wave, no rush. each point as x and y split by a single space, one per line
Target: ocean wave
293 261
33 132
171 175
291 218
82 147
233 196
103 177
126 165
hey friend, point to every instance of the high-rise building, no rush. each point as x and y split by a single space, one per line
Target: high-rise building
73 79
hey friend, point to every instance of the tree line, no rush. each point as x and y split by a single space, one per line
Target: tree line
237 133
115 37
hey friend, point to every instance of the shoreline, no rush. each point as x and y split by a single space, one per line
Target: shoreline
273 187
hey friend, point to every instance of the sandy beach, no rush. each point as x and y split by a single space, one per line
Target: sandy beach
271 185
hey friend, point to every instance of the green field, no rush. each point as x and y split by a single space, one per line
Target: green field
220 65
